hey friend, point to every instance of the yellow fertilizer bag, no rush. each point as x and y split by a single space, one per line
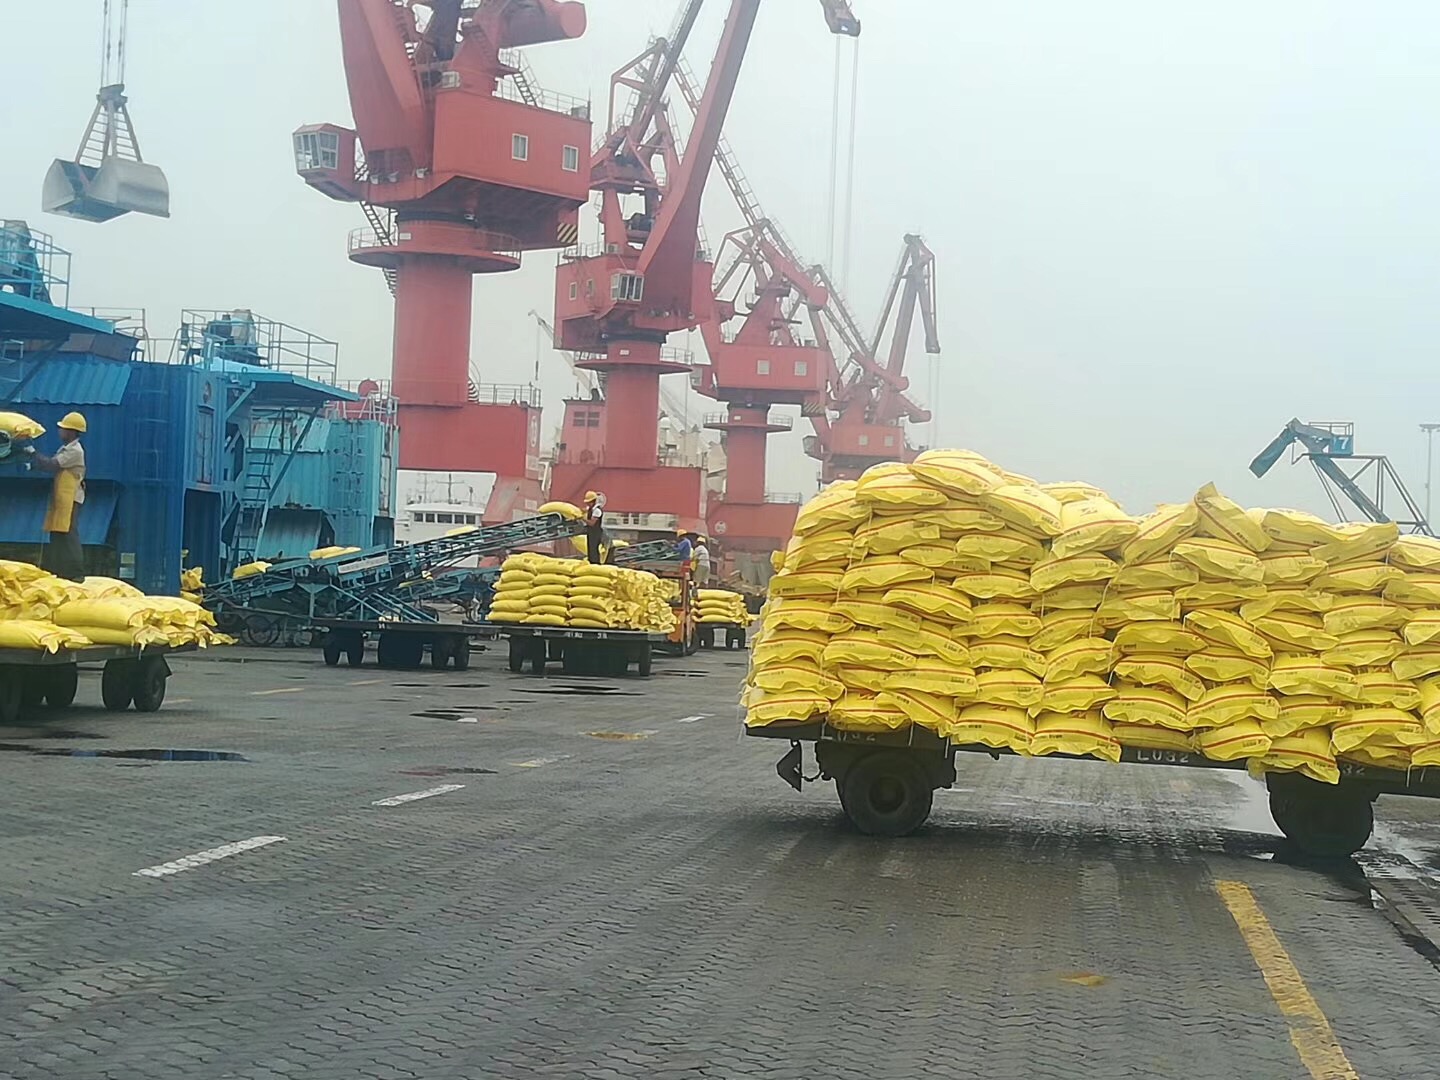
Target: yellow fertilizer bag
1082 734
1229 703
1351 613
1160 669
835 507
820 547
1233 741
785 645
1069 491
798 675
806 615
1006 547
1419 589
1025 508
872 611
1150 737
141 636
1376 727
762 708
249 570
508 615
1295 528
1416 553
1301 712
858 711
1290 567
882 571
811 583
1359 541
1311 675
1001 727
1094 524
1425 754
999 583
545 618
1294 631
957 519
1074 598
867 680
503 604
1383 688
19 426
1083 656
957 471
117 613
933 600
1154 705
1288 598
864 648
1416 662
549 580
1007 654
1117 609
1423 627
564 509
1002 618
938 556
1018 688
1076 695
1218 594
893 484
1157 533
933 639
1219 665
1079 569
1224 519
933 676
1220 560
1158 637
1059 627
1229 632
1430 705
928 710
1359 577
888 536
1157 574
39 636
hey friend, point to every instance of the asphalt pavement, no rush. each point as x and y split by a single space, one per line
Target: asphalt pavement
300 871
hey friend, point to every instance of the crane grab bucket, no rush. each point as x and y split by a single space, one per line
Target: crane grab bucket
107 177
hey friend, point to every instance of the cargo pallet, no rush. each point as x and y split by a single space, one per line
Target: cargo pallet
580 650
886 782
400 644
735 634
131 676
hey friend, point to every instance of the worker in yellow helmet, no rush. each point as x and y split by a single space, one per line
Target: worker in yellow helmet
64 557
594 526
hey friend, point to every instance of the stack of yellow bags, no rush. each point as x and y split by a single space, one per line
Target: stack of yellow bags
192 584
40 611
1041 618
539 590
722 606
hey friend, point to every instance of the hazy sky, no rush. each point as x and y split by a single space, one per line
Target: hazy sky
1162 229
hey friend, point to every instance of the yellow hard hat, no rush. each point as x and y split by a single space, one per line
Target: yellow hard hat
591 496
72 421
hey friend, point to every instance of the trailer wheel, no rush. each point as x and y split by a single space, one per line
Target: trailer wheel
411 648
517 654
32 687
539 656
460 652
9 694
262 630
151 673
440 653
117 684
645 662
706 635
332 649
355 648
886 794
1323 820
60 685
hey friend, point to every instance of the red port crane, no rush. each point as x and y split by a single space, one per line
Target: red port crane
650 276
465 164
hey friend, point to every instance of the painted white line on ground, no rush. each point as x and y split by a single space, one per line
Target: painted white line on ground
467 720
411 796
367 682
179 701
692 719
279 690
539 762
200 858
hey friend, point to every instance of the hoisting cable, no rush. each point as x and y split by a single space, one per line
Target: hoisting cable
849 220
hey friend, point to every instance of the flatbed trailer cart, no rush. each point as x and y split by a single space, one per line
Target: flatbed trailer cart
580 650
886 782
661 558
131 676
735 635
400 644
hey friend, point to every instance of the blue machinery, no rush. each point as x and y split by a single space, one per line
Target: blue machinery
1330 448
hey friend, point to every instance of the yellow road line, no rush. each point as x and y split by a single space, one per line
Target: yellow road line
281 690
1310 1031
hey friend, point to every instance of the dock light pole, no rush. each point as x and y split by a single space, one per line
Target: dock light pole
1429 430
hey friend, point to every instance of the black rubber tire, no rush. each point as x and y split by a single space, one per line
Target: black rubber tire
539 656
262 630
412 651
32 686
355 648
1325 821
60 685
516 660
460 653
148 691
9 694
440 653
645 662
117 684
886 794
332 650
706 635
388 651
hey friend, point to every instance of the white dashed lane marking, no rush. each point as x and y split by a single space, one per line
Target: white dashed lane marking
200 858
412 796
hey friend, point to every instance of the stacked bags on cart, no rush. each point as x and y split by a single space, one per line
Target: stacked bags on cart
722 606
539 590
1041 618
40 611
